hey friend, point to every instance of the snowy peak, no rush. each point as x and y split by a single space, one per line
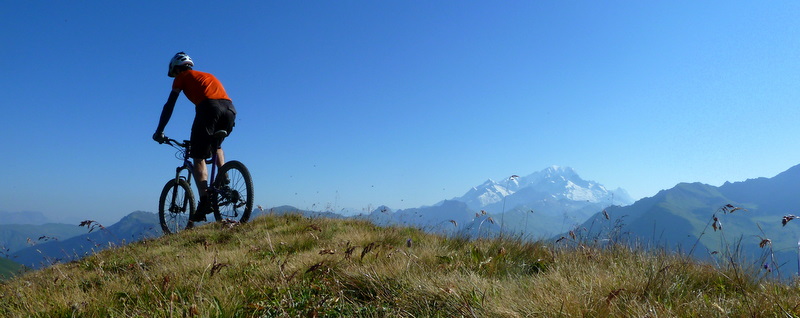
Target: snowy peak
560 171
554 182
554 175
487 193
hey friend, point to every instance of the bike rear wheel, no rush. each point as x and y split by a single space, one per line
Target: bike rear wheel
175 206
234 187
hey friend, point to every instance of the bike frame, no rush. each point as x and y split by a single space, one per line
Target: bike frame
188 165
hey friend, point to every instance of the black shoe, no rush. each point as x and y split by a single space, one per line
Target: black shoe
203 208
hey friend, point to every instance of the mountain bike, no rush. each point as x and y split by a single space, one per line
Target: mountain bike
230 190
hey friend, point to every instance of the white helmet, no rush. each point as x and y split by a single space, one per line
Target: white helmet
178 60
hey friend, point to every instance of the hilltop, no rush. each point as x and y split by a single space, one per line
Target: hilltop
289 266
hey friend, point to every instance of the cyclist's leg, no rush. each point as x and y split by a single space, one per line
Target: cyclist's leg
204 121
220 157
226 121
201 177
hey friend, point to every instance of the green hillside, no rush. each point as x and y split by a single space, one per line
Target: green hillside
292 266
8 268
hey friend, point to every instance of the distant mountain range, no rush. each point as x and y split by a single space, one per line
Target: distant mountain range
24 217
538 205
133 227
682 218
553 203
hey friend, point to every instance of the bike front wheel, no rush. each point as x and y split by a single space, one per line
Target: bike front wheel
234 187
175 206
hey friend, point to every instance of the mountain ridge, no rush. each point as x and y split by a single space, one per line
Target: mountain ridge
698 217
133 227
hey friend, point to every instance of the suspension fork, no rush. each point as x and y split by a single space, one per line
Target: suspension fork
188 167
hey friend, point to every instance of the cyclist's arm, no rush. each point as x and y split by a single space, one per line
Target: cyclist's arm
166 113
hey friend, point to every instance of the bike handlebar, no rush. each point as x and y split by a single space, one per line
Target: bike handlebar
173 142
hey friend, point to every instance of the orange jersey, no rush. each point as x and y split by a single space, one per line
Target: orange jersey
199 86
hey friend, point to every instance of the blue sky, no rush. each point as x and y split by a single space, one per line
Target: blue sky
355 104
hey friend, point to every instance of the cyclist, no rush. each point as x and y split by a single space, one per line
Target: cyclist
214 111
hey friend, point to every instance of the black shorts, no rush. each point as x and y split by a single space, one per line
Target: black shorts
210 116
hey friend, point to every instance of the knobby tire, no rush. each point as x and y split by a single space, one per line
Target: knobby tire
175 206
235 198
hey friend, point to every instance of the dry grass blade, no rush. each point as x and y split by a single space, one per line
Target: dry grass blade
613 294
787 218
216 267
91 224
730 208
315 267
367 249
349 252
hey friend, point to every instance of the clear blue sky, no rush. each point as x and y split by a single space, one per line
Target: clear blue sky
352 104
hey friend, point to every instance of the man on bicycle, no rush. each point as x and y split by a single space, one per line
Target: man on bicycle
213 111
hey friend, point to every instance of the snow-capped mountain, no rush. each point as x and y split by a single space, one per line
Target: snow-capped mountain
553 183
485 194
540 204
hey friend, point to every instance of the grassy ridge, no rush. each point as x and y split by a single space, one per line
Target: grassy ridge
290 266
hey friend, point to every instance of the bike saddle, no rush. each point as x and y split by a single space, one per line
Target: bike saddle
219 134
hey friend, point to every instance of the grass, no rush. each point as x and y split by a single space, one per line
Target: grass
292 266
